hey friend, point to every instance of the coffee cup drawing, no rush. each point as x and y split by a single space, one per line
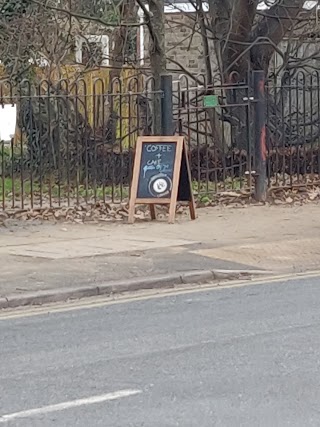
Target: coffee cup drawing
160 185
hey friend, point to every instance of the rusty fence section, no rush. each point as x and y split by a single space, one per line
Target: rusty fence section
71 147
220 122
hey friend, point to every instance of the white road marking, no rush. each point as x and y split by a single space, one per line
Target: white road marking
67 405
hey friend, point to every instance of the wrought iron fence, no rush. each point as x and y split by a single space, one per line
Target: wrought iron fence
71 146
217 123
293 124
74 146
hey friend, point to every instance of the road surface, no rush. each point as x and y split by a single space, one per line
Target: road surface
243 356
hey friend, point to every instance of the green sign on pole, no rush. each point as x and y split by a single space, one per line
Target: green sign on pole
211 101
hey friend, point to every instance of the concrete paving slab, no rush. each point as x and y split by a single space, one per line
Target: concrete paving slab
98 246
278 255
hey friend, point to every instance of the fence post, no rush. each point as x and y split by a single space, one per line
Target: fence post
166 105
260 135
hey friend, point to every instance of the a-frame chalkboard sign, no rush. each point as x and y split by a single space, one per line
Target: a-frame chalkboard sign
161 175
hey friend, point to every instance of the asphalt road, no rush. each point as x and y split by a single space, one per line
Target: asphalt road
246 356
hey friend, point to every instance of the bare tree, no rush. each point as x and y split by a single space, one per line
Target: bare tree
247 36
155 22
238 36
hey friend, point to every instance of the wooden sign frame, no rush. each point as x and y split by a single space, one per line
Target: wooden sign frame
180 156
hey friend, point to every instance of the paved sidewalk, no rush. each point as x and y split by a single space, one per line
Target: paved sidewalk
47 256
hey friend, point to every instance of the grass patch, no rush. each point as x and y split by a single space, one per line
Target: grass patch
205 191
15 189
18 189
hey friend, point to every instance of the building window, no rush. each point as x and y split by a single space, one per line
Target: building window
92 50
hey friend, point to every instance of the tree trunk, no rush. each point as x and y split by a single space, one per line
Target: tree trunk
215 123
157 52
120 36
246 41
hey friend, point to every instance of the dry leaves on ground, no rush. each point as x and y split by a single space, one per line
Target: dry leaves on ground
117 212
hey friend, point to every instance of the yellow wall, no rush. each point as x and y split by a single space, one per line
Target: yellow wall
94 84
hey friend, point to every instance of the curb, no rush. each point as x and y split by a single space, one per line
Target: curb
119 287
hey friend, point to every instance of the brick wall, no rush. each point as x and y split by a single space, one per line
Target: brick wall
184 44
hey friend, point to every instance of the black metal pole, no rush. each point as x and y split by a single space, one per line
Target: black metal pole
260 136
166 105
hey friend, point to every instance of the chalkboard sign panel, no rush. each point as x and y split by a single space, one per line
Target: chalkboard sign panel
156 170
161 175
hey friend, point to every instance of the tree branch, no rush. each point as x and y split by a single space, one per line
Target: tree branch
81 16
